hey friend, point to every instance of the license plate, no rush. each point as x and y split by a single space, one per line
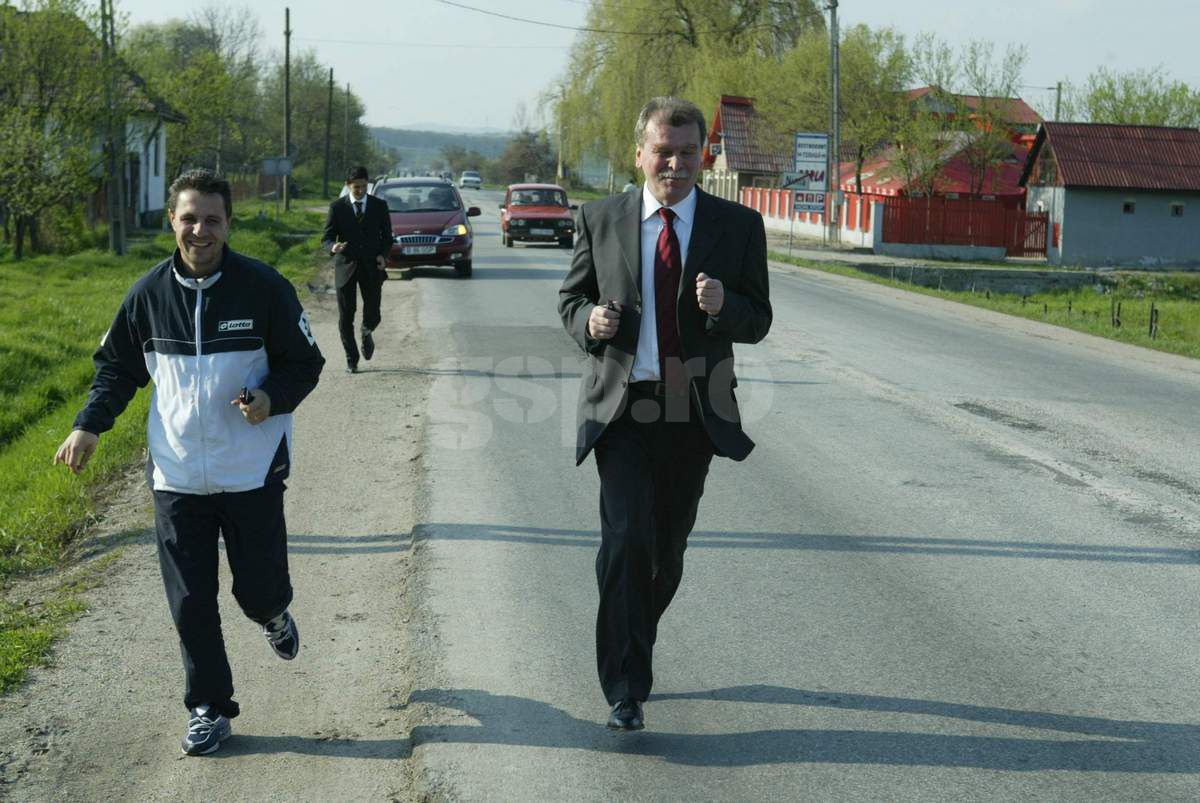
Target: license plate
413 250
542 232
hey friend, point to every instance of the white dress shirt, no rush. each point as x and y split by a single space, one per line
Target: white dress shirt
362 200
645 364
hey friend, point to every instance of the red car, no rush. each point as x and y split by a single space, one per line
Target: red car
537 213
429 223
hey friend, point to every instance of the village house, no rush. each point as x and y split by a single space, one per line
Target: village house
1117 194
734 154
146 154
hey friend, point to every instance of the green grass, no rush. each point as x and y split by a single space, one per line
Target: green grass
28 629
1176 296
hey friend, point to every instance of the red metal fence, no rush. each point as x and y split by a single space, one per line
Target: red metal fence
952 221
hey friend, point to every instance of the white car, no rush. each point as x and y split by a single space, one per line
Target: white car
470 178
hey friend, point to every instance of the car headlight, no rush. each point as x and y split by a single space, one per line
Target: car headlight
457 230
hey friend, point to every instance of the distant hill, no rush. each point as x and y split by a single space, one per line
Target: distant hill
419 148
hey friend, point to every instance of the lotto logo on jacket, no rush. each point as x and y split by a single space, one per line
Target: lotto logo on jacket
235 326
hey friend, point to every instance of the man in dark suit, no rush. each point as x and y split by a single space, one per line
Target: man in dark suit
662 283
358 234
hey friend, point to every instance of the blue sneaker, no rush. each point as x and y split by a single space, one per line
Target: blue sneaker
283 636
206 730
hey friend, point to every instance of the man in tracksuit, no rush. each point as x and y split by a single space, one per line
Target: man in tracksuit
228 347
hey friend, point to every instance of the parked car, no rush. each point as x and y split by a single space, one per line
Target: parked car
430 223
470 178
537 213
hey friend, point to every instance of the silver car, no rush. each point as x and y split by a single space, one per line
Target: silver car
470 178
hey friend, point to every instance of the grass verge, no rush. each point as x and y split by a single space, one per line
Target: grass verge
29 628
1129 296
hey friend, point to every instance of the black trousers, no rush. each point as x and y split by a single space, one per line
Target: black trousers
368 280
652 475
252 526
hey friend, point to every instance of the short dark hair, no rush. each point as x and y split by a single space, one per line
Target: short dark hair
357 174
676 111
203 181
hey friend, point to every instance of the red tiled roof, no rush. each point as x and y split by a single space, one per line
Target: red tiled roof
734 127
1127 157
1013 110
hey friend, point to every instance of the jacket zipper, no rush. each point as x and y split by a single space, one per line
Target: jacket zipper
199 387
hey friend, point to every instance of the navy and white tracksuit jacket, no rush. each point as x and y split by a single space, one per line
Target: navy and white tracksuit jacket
201 341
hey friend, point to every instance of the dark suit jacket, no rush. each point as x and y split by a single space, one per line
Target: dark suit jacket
364 242
729 243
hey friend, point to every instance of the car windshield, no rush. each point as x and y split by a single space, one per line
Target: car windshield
539 198
420 198
469 174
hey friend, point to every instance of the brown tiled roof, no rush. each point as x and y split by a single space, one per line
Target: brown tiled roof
1128 157
1012 110
735 122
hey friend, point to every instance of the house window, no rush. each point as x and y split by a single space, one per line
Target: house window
157 140
1176 210
1129 207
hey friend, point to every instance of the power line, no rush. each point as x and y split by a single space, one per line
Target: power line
586 29
426 44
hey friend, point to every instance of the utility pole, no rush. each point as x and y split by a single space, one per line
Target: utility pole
287 103
346 134
115 146
562 96
328 127
835 126
1058 102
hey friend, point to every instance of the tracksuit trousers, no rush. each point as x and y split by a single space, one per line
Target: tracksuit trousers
252 526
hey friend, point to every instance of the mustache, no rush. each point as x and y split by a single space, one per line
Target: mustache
674 174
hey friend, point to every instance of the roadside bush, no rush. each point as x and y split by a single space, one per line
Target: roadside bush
67 231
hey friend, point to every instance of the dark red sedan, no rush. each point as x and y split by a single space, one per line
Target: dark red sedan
429 223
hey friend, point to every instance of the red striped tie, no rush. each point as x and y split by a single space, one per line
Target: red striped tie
668 265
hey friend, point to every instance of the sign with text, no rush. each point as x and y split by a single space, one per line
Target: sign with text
811 166
808 202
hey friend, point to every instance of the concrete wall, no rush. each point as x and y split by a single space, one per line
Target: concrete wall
1096 232
960 253
997 280
775 207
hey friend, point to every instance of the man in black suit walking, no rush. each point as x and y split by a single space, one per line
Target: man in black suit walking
662 283
358 234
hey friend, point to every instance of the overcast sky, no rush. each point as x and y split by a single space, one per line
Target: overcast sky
418 62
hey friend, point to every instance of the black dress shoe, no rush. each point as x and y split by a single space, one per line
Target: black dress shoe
351 367
626 716
368 346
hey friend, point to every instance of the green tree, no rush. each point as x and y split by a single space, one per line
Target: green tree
698 49
51 110
528 153
994 82
1137 97
459 158
208 68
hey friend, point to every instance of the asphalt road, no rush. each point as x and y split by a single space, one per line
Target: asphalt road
961 563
